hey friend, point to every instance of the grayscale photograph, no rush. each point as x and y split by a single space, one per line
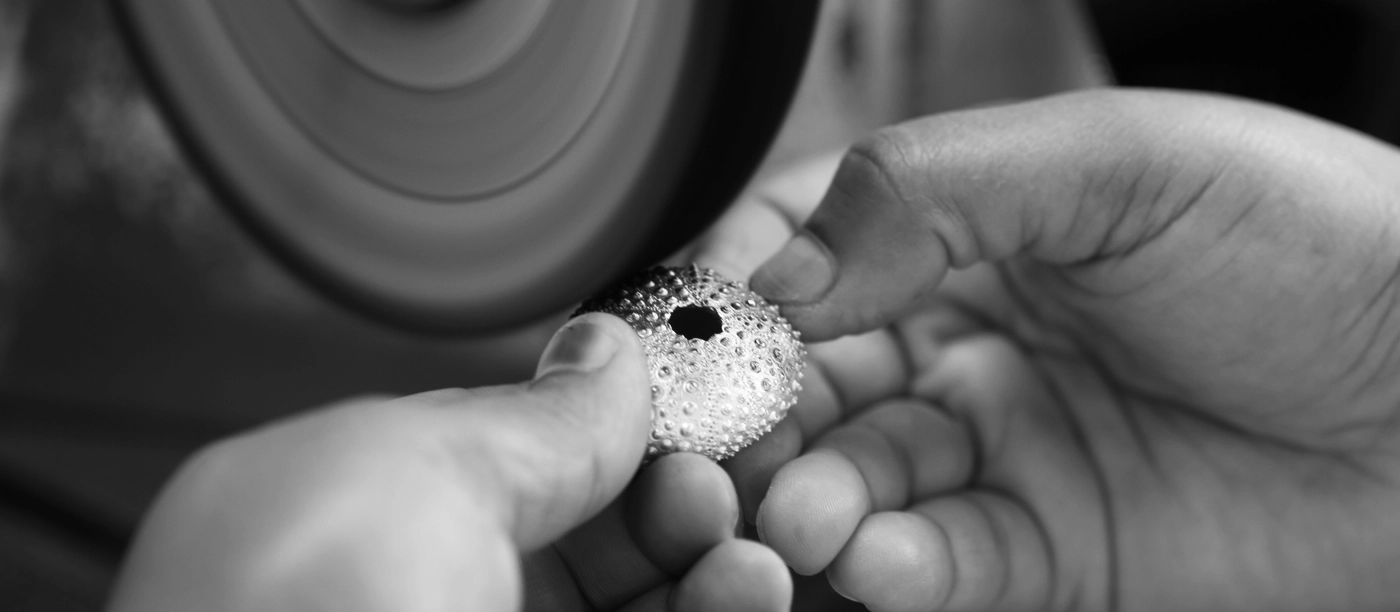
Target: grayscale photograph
699 305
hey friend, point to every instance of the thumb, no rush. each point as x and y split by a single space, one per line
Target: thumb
558 449
420 503
1062 180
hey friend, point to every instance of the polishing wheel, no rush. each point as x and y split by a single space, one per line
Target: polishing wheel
470 165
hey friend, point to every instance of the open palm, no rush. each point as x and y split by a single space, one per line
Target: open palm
1165 379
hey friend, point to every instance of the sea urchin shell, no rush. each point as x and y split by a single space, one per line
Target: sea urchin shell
725 366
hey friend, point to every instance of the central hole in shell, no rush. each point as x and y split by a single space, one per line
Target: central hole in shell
695 322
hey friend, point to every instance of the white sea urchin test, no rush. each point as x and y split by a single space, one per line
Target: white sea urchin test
725 366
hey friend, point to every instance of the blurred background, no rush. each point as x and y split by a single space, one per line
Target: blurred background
138 321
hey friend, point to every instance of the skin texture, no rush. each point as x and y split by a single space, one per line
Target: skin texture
1108 351
496 498
1114 350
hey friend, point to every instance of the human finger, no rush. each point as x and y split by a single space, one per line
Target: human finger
1034 449
598 565
762 218
752 469
744 237
451 485
679 508
738 575
1020 433
842 377
566 445
812 506
859 370
905 449
1060 179
971 551
675 511
899 450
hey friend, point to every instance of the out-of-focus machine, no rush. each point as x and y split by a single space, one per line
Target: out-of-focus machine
470 165
448 171
451 172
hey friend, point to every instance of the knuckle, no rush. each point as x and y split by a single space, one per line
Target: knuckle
212 461
875 161
205 476
915 171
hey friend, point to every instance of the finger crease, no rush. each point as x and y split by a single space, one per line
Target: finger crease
573 576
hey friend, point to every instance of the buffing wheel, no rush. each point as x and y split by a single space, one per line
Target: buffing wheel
468 165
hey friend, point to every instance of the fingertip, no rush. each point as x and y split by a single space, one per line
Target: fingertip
737 575
1002 557
679 507
882 464
593 374
812 507
819 404
894 562
584 344
561 447
603 561
609 328
801 272
868 250
749 233
752 469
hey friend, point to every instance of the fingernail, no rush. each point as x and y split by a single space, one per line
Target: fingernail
799 274
580 346
838 587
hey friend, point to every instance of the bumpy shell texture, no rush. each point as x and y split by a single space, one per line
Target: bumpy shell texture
725 366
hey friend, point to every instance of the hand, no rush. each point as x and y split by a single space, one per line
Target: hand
428 503
1189 403
845 377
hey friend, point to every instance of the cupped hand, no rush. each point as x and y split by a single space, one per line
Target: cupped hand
1166 376
485 499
